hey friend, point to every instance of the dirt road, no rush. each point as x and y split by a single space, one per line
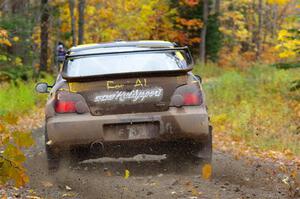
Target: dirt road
153 177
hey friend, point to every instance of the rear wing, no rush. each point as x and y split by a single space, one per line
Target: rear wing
183 52
184 49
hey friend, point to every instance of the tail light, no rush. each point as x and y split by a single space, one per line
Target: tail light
187 95
67 102
65 106
191 99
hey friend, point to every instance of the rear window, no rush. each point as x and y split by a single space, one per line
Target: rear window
125 63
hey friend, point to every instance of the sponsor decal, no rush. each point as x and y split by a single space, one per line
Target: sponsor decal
114 85
129 97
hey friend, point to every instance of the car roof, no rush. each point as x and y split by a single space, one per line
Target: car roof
119 46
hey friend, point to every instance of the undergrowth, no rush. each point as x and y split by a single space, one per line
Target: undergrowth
255 105
19 97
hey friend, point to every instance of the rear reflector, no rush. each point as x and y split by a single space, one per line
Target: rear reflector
65 107
190 99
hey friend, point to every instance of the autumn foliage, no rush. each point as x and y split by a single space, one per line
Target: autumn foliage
12 157
242 36
235 35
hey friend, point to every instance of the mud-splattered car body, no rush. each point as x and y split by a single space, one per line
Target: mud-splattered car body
126 93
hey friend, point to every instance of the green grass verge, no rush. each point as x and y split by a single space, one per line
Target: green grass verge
20 97
255 105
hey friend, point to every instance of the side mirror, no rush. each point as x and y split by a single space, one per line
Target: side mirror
42 87
199 78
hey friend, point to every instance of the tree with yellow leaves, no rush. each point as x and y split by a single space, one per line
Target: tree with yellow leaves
289 43
4 42
112 20
250 29
289 36
4 38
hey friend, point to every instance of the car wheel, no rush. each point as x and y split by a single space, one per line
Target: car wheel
52 155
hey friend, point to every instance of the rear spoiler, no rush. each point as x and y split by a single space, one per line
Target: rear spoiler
185 49
170 49
126 75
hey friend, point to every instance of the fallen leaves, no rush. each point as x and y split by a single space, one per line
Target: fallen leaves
2 128
239 148
46 184
23 139
33 197
206 171
127 174
10 119
68 188
68 195
193 190
10 192
293 183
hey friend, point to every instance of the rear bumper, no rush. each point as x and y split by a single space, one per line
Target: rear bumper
74 129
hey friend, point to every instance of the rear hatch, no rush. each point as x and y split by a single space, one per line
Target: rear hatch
129 95
119 80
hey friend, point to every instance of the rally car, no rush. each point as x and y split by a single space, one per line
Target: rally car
119 96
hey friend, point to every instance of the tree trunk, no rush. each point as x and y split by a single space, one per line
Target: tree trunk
217 6
259 29
18 7
203 32
6 6
44 35
81 7
73 28
274 21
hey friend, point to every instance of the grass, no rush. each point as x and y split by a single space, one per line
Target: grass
255 105
20 97
208 71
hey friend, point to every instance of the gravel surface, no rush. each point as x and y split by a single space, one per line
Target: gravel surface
153 177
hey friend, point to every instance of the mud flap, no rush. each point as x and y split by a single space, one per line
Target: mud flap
206 148
52 155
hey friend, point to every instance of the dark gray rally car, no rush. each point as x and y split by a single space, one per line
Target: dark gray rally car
124 98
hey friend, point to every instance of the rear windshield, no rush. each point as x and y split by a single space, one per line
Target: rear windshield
125 63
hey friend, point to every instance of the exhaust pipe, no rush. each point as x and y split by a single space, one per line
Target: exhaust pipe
97 147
